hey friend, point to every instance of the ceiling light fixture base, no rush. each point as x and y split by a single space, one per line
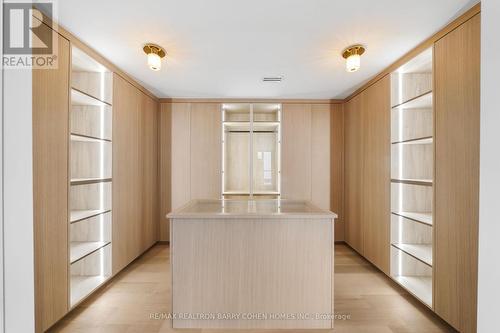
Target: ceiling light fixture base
153 48
352 50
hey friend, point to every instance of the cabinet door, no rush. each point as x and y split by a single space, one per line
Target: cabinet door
457 84
180 145
337 168
206 151
165 164
127 199
296 152
148 113
376 173
353 173
320 155
50 187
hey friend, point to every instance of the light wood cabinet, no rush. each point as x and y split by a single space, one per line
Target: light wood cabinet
127 198
367 173
457 83
190 156
305 154
50 187
353 188
180 143
376 166
135 173
165 167
205 151
320 155
148 114
296 152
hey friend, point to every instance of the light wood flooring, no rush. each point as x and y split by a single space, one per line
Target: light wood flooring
374 303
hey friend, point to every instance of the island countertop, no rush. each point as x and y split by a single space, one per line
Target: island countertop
258 208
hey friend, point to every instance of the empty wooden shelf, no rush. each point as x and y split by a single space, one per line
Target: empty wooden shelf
422 252
85 138
419 286
420 102
84 181
89 273
416 141
78 250
91 77
82 286
424 217
423 182
413 274
80 98
78 215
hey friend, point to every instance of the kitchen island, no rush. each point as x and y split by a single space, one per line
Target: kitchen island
252 264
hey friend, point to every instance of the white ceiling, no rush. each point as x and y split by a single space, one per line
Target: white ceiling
223 48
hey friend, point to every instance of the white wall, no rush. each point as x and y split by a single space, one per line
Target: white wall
489 202
1 183
17 202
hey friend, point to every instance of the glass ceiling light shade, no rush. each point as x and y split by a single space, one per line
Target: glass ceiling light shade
155 54
352 55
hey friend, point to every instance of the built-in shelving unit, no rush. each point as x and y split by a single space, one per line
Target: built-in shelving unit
251 142
90 221
412 167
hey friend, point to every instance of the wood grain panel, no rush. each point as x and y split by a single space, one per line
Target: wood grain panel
165 130
376 138
457 95
320 155
252 266
181 156
206 151
296 152
149 166
337 168
353 187
127 199
50 187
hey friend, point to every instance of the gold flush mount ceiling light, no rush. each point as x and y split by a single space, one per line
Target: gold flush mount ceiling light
352 56
155 54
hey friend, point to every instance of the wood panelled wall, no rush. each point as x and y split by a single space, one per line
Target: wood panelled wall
50 187
305 153
457 109
135 172
337 168
190 155
367 173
